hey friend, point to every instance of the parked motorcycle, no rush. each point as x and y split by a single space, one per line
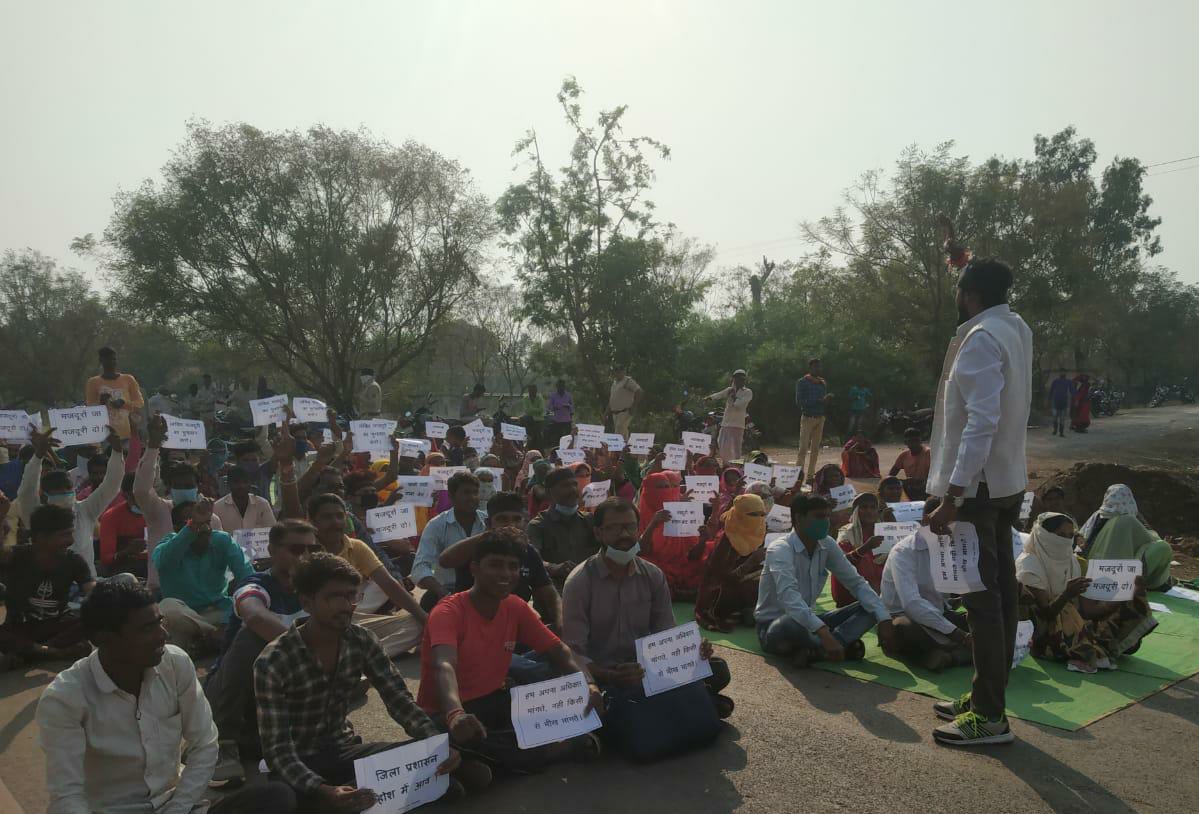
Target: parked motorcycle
1106 402
1171 392
897 421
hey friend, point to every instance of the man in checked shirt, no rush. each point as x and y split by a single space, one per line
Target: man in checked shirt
303 681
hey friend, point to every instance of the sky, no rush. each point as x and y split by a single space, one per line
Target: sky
771 109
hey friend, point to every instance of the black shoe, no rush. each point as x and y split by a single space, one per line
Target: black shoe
855 651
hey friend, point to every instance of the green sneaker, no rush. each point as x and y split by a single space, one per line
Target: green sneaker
948 710
972 729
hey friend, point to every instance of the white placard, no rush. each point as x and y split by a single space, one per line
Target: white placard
15 425
327 436
778 519
703 487
405 777
1019 538
641 443
552 711
1112 580
685 518
758 473
1024 631
907 511
473 426
513 432
614 442
416 490
566 442
1158 607
254 542
774 537
596 493
309 409
671 659
480 439
373 435
436 429
699 443
75 426
570 457
1178 592
269 411
954 559
414 447
441 476
785 476
1026 506
892 533
590 436
676 457
842 497
184 433
394 522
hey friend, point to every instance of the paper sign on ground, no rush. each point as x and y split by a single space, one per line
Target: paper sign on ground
1024 631
785 476
907 511
892 533
671 659
15 425
1026 506
641 443
405 777
272 410
416 489
184 433
552 711
513 432
1112 580
703 487
570 457
778 519
373 435
310 409
76 426
436 429
699 443
676 457
842 496
254 542
685 518
760 473
414 447
590 436
1179 592
954 559
441 476
394 522
614 441
1158 607
596 493
566 442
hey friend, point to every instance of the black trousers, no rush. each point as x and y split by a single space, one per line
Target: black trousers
499 749
336 765
271 797
230 692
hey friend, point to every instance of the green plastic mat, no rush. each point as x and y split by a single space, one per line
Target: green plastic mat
1041 691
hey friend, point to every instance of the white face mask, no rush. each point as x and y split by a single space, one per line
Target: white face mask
622 557
365 379
64 499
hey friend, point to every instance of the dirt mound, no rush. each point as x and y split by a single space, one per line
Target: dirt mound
1168 500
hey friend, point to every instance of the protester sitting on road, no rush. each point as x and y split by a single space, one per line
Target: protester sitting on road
454 448
123 535
467 651
827 478
611 600
562 534
303 683
859 542
793 578
1126 538
927 631
1088 635
463 519
264 606
241 509
859 458
732 482
890 490
680 558
729 588
118 726
38 625
537 496
191 566
1119 502
1052 500
915 463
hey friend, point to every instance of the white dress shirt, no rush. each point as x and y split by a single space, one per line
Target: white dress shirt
441 532
736 406
110 753
907 585
259 514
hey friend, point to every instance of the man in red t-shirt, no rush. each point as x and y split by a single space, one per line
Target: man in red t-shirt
467 647
914 462
123 535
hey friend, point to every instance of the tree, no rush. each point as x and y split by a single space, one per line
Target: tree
51 324
327 250
592 262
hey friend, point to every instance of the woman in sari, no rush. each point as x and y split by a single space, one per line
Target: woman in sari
728 589
828 477
538 495
1089 635
1124 537
859 458
680 558
1117 502
859 541
526 471
1080 412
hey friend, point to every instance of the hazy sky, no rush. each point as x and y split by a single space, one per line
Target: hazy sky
770 108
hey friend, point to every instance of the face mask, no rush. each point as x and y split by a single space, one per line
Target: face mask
185 495
217 459
567 510
622 557
365 379
817 529
64 499
486 490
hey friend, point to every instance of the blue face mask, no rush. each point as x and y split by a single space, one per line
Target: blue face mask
566 510
622 557
185 495
64 499
817 529
217 459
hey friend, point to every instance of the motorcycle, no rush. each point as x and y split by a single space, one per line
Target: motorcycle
1171 392
1106 402
898 421
685 420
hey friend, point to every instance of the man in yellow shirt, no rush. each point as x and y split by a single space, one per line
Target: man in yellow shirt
119 392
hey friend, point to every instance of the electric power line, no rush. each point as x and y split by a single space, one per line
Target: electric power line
1172 161
1167 172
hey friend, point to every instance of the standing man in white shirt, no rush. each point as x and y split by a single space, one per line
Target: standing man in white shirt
736 411
370 394
116 725
980 472
625 395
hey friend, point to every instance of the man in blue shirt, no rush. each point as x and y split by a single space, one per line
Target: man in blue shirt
1061 393
811 396
859 401
463 519
793 578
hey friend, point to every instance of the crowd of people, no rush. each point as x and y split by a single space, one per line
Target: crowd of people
129 565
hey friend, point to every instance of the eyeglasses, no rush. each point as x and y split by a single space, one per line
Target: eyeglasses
299 549
628 528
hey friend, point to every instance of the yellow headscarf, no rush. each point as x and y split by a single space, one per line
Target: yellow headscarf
743 531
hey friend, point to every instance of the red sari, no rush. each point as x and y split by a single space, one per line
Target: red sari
1080 415
683 574
859 459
